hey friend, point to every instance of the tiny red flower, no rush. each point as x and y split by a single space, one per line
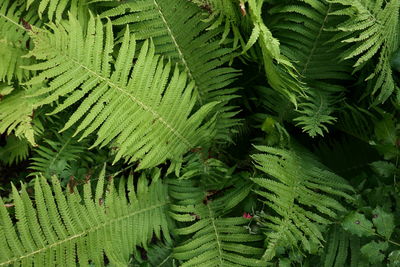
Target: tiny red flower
247 215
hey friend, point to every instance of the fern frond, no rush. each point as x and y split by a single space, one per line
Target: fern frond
14 41
303 30
316 110
337 248
63 228
373 30
15 150
16 115
301 196
227 15
176 28
146 112
56 154
158 255
215 240
55 9
281 74
212 172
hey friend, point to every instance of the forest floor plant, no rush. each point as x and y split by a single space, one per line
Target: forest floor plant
200 133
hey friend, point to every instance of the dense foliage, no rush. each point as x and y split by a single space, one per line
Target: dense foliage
200 133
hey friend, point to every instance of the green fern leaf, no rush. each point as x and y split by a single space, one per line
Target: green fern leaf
15 151
146 113
62 228
292 193
303 30
56 154
55 9
215 240
16 115
178 32
316 110
337 247
14 41
373 30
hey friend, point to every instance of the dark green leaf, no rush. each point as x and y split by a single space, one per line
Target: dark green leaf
373 251
383 221
357 224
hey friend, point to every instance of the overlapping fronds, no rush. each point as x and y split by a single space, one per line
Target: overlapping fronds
158 255
373 30
302 28
57 153
227 14
337 248
212 240
178 32
146 112
14 151
55 9
316 109
280 71
16 114
212 172
14 40
301 197
62 228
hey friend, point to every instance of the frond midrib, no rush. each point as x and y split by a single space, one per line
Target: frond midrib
179 50
157 116
316 40
57 155
106 224
216 234
12 21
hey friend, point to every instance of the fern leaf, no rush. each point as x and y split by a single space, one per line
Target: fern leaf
55 9
61 228
14 41
280 71
56 154
16 115
373 30
176 28
316 110
337 248
303 30
15 151
292 193
215 240
227 15
146 114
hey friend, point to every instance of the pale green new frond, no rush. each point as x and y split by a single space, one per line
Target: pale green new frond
16 115
316 109
145 111
14 41
373 30
178 32
212 240
301 197
63 228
